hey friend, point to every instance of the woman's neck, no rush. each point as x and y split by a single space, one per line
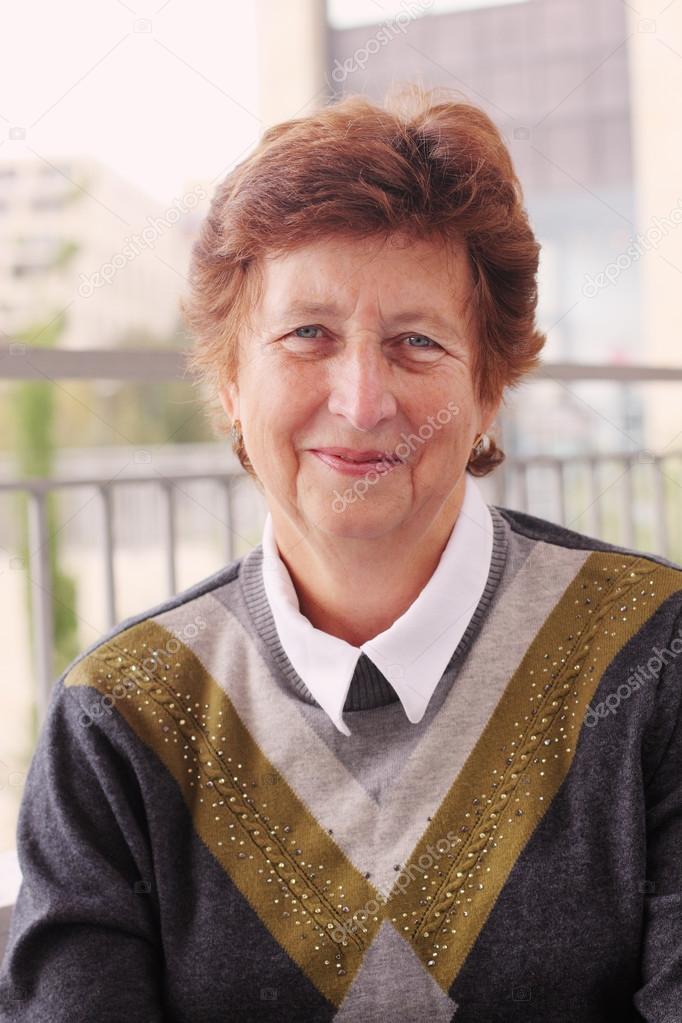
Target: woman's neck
355 589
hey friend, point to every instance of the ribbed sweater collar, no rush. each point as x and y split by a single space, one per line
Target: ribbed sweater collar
368 686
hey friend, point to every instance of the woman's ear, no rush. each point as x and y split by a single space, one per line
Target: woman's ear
229 399
490 414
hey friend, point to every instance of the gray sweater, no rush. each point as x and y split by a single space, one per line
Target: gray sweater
199 843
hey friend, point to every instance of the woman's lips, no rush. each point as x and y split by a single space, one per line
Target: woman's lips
355 468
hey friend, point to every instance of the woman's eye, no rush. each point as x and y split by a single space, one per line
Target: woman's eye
429 346
306 337
423 343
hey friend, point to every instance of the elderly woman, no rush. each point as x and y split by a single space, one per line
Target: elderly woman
408 758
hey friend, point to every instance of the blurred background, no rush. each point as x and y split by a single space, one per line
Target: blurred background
116 124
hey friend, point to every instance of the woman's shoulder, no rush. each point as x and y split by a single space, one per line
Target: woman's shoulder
138 650
532 527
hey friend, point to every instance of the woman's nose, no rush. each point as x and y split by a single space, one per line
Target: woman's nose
360 388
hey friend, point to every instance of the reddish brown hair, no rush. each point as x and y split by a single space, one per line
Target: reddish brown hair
424 163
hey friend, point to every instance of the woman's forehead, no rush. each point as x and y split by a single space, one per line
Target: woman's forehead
328 278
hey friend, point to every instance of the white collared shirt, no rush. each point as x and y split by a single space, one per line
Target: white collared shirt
415 650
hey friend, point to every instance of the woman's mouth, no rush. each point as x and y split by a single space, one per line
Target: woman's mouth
356 463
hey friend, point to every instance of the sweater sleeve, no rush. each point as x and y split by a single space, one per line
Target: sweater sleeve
84 935
659 996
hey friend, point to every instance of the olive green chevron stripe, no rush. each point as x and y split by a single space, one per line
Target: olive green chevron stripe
520 760
285 864
313 901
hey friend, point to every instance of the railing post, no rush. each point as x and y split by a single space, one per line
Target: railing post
169 536
40 580
229 532
109 579
522 468
499 478
660 521
595 509
560 474
629 488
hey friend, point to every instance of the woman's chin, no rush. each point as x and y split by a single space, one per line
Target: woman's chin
358 519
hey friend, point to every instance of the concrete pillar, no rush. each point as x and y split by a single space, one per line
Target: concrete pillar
655 52
292 54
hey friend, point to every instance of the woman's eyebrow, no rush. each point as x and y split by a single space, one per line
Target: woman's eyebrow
310 309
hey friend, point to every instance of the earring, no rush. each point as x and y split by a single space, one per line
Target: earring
481 445
236 432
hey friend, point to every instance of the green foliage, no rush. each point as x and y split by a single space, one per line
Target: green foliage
34 417
66 253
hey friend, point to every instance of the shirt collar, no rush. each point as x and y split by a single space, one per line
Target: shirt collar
414 651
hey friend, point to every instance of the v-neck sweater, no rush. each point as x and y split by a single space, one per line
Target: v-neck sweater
199 842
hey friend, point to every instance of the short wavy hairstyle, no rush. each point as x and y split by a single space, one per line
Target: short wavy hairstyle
426 164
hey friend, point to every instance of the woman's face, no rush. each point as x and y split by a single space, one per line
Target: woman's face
360 345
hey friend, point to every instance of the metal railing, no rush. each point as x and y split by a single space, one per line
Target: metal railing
516 493
510 486
39 566
21 361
